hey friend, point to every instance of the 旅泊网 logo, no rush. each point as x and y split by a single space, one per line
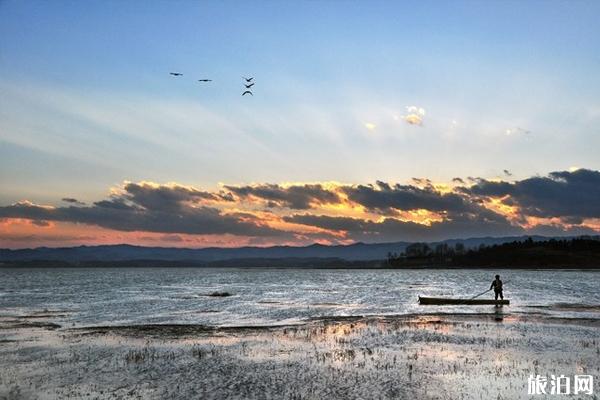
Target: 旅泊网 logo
558 385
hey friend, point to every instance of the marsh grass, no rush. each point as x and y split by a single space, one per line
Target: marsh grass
148 354
382 358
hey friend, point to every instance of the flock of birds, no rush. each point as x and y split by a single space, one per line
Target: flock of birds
248 85
249 82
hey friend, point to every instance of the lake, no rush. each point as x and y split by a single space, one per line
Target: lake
100 296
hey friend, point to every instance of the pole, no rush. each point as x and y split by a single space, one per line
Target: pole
482 293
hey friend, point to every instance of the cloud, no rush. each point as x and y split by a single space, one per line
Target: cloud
383 198
370 126
172 238
563 202
151 208
560 194
40 223
414 116
392 229
37 238
298 197
516 131
72 201
157 197
560 230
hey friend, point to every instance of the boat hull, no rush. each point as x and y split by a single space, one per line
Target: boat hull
440 301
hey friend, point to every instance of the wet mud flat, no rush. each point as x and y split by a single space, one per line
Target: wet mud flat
426 356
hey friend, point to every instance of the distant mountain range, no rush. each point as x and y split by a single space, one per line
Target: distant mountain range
353 252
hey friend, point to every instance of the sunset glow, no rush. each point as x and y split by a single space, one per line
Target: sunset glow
295 213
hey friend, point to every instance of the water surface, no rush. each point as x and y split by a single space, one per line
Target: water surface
101 296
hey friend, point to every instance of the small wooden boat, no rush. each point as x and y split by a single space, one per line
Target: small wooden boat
441 301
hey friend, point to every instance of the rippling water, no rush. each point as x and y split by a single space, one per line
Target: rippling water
94 296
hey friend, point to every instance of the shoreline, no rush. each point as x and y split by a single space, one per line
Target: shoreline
501 315
350 266
184 329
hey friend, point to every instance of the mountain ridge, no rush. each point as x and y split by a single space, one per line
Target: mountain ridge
358 251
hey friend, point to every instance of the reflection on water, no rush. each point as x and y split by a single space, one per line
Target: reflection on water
499 314
269 296
467 357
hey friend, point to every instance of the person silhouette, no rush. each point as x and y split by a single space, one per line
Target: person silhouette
497 286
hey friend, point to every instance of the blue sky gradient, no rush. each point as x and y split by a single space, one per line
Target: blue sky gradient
87 101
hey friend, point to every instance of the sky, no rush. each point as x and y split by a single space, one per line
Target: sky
369 121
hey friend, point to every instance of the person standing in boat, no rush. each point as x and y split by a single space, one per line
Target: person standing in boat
497 286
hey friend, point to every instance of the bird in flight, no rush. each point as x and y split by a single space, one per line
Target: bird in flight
249 86
247 92
176 73
204 80
248 79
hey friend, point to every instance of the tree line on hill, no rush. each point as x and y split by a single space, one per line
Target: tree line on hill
581 252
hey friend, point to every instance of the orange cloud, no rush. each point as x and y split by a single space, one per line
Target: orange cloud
173 214
414 116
